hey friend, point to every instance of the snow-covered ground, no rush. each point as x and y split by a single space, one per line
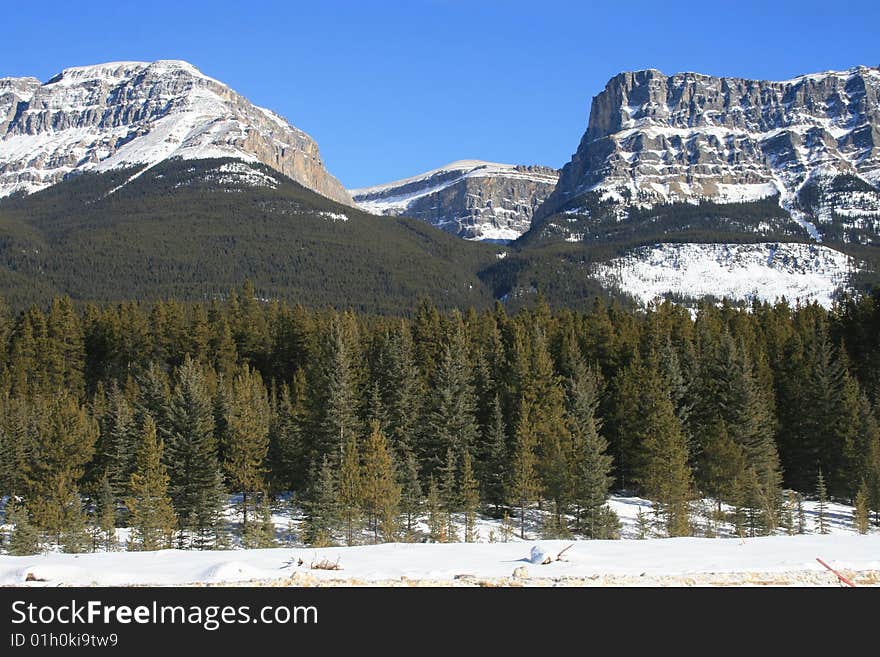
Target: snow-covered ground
765 271
727 560
781 559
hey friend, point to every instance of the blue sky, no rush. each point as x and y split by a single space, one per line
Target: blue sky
390 89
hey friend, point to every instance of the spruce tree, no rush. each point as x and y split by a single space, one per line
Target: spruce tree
401 387
149 504
643 524
495 461
591 464
470 498
722 463
105 515
248 431
410 490
117 442
545 393
322 509
260 533
25 538
434 507
788 510
524 485
664 472
450 422
349 488
190 454
801 515
822 508
338 408
449 494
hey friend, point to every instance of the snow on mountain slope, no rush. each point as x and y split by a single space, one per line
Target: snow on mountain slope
122 114
654 139
471 198
765 271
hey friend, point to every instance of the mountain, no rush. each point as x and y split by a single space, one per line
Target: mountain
135 115
469 198
810 145
194 229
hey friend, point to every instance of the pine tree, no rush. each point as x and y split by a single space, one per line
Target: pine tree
248 430
449 494
470 498
434 506
260 534
25 538
822 509
401 387
322 509
861 513
410 490
105 515
643 524
722 463
545 393
64 442
349 487
117 442
149 504
788 513
495 462
663 472
338 408
524 483
380 493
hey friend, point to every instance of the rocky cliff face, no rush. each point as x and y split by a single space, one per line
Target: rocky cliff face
137 113
470 198
655 139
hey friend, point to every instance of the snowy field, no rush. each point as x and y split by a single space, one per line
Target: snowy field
498 559
682 561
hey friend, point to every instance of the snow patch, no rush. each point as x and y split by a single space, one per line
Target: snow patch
764 271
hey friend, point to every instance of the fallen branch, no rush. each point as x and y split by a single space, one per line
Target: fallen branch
842 578
559 556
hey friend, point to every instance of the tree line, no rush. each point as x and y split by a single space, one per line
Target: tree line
149 415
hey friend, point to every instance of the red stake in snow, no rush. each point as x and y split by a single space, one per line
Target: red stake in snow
843 579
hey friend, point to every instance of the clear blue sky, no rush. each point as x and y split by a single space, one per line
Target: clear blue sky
390 89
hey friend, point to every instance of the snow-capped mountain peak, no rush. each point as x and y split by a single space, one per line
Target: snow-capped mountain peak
121 114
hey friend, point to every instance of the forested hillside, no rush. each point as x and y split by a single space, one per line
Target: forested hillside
148 414
193 229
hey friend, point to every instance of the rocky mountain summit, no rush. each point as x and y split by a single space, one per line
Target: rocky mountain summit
470 198
123 114
812 141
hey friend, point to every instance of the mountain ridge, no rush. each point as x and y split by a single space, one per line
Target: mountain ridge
653 139
474 199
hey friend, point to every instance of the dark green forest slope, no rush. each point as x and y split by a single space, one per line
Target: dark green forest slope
185 229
